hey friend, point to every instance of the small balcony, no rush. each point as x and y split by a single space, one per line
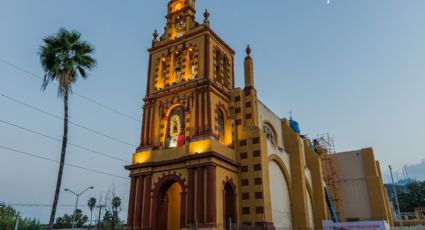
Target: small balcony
190 148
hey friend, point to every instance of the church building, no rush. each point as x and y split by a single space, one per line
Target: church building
212 155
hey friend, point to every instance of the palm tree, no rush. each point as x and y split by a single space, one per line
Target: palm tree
116 203
64 58
92 204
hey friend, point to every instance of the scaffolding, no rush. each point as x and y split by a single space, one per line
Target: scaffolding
324 145
326 142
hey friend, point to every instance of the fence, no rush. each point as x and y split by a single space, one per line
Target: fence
245 227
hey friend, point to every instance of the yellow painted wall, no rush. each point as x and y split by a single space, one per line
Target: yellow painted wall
377 193
293 145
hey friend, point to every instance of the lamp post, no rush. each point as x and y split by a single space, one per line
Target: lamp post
76 202
396 197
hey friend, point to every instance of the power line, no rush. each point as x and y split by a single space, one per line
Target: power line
59 140
107 107
42 205
56 161
79 95
60 118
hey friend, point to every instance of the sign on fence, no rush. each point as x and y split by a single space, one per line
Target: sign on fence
362 225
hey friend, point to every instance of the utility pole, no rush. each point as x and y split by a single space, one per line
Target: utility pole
396 197
100 206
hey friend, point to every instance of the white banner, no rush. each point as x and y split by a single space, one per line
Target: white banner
362 225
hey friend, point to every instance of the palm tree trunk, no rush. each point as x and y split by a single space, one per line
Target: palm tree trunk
91 217
62 160
113 219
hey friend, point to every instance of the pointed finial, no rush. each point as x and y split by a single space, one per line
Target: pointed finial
248 51
206 16
155 35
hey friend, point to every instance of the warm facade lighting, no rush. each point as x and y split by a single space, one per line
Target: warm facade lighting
142 157
200 146
178 6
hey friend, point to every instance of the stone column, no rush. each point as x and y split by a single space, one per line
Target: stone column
211 195
190 196
130 216
183 210
147 203
200 195
139 200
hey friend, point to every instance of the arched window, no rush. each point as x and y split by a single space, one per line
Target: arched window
163 73
192 64
226 71
163 66
218 59
220 125
178 65
177 6
270 134
176 128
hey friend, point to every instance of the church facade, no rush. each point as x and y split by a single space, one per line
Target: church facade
211 155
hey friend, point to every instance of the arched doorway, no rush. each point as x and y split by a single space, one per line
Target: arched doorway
229 205
280 195
168 206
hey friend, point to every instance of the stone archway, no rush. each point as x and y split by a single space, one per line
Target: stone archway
280 195
169 209
229 199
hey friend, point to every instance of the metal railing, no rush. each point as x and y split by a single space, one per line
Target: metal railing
234 226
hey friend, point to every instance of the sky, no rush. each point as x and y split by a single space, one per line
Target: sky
352 68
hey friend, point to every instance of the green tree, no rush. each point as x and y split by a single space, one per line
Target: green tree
116 204
67 220
64 57
8 217
111 218
91 204
411 196
108 218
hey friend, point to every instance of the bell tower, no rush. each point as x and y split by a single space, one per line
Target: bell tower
192 68
180 18
185 170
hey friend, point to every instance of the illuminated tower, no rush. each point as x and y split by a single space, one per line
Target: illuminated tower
185 170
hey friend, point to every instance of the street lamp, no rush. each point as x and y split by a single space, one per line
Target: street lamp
76 202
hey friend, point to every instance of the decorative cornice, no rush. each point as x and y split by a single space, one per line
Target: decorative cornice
184 159
184 38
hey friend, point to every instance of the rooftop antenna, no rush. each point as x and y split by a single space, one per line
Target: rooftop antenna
290 114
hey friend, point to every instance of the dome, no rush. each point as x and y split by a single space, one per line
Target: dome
294 125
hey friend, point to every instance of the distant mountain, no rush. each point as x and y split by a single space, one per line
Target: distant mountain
417 171
411 171
405 182
400 186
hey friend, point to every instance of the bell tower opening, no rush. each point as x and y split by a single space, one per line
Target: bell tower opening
229 205
177 6
169 206
180 18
